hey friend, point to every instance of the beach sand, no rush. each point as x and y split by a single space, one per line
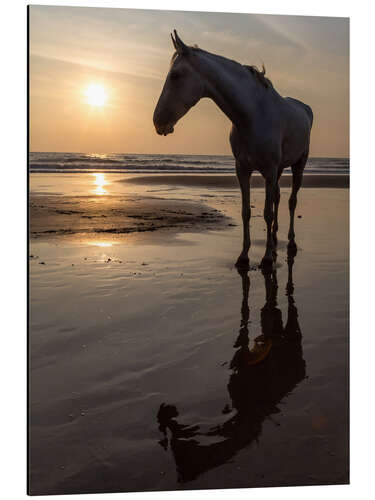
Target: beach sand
144 370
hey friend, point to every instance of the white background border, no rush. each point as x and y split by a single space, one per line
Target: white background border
13 243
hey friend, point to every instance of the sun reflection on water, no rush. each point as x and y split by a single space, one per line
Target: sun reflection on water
103 244
100 181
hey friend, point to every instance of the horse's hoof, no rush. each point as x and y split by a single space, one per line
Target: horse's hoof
242 263
266 264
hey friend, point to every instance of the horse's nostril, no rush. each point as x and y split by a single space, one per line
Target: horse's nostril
164 129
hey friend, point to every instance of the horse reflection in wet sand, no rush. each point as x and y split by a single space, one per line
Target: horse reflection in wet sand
269 132
261 377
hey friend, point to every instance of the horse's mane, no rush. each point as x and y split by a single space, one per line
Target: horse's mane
259 75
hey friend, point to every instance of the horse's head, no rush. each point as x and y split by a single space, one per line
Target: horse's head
182 89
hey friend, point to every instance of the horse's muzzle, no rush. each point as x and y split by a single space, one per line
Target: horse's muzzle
164 130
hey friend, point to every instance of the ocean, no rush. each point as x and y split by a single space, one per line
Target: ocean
147 163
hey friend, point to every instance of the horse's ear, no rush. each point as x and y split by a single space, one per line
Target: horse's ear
178 44
174 42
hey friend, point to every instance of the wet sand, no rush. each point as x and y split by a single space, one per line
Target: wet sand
155 365
90 215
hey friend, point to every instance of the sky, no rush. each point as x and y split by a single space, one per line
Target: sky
127 52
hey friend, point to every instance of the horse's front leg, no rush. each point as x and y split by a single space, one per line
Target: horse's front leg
244 180
267 260
276 201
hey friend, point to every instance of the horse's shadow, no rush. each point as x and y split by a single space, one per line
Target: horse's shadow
261 377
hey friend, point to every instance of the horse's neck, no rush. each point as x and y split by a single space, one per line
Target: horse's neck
229 85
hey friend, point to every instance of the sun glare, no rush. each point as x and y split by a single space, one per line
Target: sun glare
103 244
100 181
96 95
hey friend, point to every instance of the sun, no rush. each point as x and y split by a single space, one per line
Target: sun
96 95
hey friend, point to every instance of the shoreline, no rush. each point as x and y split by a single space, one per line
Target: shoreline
337 181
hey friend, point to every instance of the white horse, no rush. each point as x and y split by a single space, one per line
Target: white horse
269 132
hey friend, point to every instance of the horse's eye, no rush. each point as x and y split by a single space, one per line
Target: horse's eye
175 75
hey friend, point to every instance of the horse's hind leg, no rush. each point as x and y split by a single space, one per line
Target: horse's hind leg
297 170
268 258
